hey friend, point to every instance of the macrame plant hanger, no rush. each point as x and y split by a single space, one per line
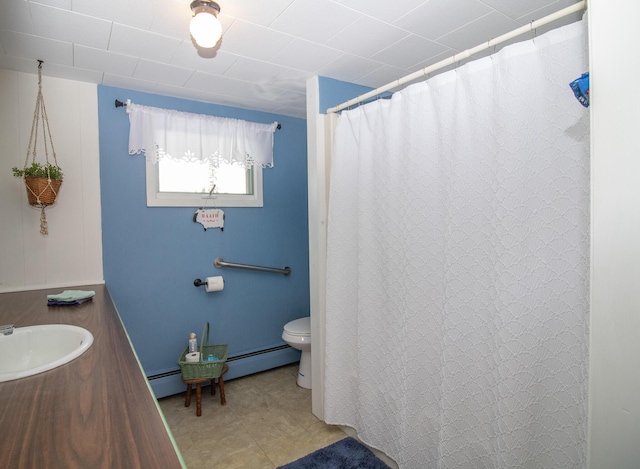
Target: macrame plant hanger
41 191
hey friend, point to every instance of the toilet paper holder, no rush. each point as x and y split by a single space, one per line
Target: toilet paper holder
210 284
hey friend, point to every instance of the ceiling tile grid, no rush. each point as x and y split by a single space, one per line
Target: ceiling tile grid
268 51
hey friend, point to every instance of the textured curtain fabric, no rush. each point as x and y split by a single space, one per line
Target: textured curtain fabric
164 133
457 265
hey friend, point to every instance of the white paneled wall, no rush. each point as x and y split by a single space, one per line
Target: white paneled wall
71 254
614 373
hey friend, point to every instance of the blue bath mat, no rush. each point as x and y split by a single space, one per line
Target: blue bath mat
345 454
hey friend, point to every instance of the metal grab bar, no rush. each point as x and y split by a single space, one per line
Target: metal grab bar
219 263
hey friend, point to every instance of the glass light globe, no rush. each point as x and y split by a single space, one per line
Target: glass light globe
205 29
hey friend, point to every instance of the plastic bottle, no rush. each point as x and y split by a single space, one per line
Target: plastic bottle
193 343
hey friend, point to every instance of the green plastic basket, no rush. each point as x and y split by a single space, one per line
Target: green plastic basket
204 369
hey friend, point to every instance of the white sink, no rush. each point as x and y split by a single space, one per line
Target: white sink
31 350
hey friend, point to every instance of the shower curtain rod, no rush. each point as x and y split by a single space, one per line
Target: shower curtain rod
461 56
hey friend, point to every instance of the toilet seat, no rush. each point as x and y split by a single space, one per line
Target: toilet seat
299 327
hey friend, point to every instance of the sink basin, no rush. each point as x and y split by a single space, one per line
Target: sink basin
31 350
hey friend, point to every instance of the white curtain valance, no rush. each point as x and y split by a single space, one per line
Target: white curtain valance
164 133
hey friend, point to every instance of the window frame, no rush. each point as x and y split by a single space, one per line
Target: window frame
177 199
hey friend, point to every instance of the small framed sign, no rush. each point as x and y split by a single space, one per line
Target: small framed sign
209 218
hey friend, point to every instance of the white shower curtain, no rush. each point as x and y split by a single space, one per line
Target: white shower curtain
457 265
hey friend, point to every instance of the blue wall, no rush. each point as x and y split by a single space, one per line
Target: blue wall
333 92
152 255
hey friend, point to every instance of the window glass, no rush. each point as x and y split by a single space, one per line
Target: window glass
173 183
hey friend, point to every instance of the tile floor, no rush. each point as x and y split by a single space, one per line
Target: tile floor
266 423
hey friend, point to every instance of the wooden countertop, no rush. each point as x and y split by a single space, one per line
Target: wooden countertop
96 411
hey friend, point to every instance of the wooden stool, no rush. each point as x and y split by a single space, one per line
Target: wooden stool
198 382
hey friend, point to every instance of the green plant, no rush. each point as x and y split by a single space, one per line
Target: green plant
39 170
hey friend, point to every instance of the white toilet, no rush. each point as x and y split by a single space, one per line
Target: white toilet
297 334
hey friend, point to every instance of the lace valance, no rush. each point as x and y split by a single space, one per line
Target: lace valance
164 133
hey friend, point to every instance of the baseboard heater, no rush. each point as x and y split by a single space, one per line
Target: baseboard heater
230 359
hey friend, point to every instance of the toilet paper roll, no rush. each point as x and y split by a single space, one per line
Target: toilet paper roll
193 357
214 284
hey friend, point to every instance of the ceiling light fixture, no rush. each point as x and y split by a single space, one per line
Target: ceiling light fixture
205 27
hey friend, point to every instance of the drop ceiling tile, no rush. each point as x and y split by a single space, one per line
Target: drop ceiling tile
382 9
137 14
226 100
184 93
140 43
129 83
72 73
515 10
253 41
305 55
255 11
488 27
259 93
438 17
291 98
442 69
269 94
162 73
253 103
172 20
244 90
556 24
188 56
208 83
381 76
66 4
315 20
366 37
549 9
408 52
445 54
254 71
104 61
65 25
292 80
19 64
15 16
349 68
288 100
36 48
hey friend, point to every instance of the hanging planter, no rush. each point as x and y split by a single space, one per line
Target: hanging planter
42 181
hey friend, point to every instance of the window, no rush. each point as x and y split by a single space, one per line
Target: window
172 183
195 160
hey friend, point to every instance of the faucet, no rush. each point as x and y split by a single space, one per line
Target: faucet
6 329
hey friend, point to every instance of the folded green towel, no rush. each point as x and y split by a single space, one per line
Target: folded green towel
72 295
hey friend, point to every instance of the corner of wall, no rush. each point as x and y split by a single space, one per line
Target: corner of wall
317 226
